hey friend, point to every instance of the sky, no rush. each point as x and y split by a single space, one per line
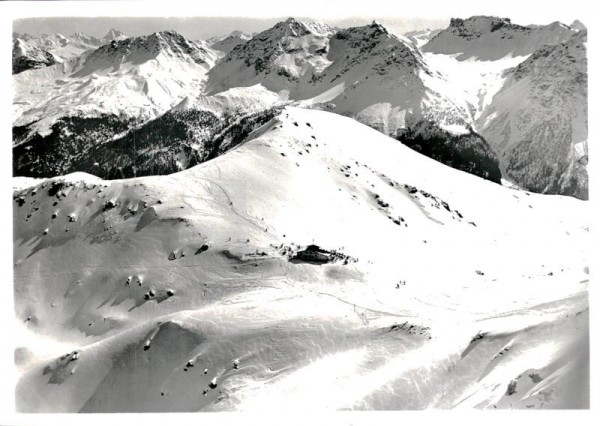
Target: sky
202 20
196 27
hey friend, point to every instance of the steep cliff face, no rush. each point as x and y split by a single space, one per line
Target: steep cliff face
537 122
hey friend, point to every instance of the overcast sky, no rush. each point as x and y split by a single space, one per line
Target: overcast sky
191 18
196 27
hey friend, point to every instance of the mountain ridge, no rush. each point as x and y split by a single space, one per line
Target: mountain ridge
369 73
492 38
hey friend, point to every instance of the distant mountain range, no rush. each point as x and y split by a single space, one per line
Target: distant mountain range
61 47
407 87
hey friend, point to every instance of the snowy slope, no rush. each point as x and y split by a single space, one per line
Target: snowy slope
537 122
236 100
131 78
63 47
176 293
492 38
474 81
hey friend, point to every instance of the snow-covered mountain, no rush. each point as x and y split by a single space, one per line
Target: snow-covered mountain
187 292
537 122
382 80
421 37
366 72
490 38
26 56
283 57
369 73
113 34
228 42
433 102
354 71
134 78
61 47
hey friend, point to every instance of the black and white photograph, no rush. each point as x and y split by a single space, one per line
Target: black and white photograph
318 207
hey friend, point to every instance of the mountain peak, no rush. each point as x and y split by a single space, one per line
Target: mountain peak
376 45
372 33
239 34
262 51
174 43
113 34
491 38
577 25
81 37
377 26
296 28
228 42
292 27
137 50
